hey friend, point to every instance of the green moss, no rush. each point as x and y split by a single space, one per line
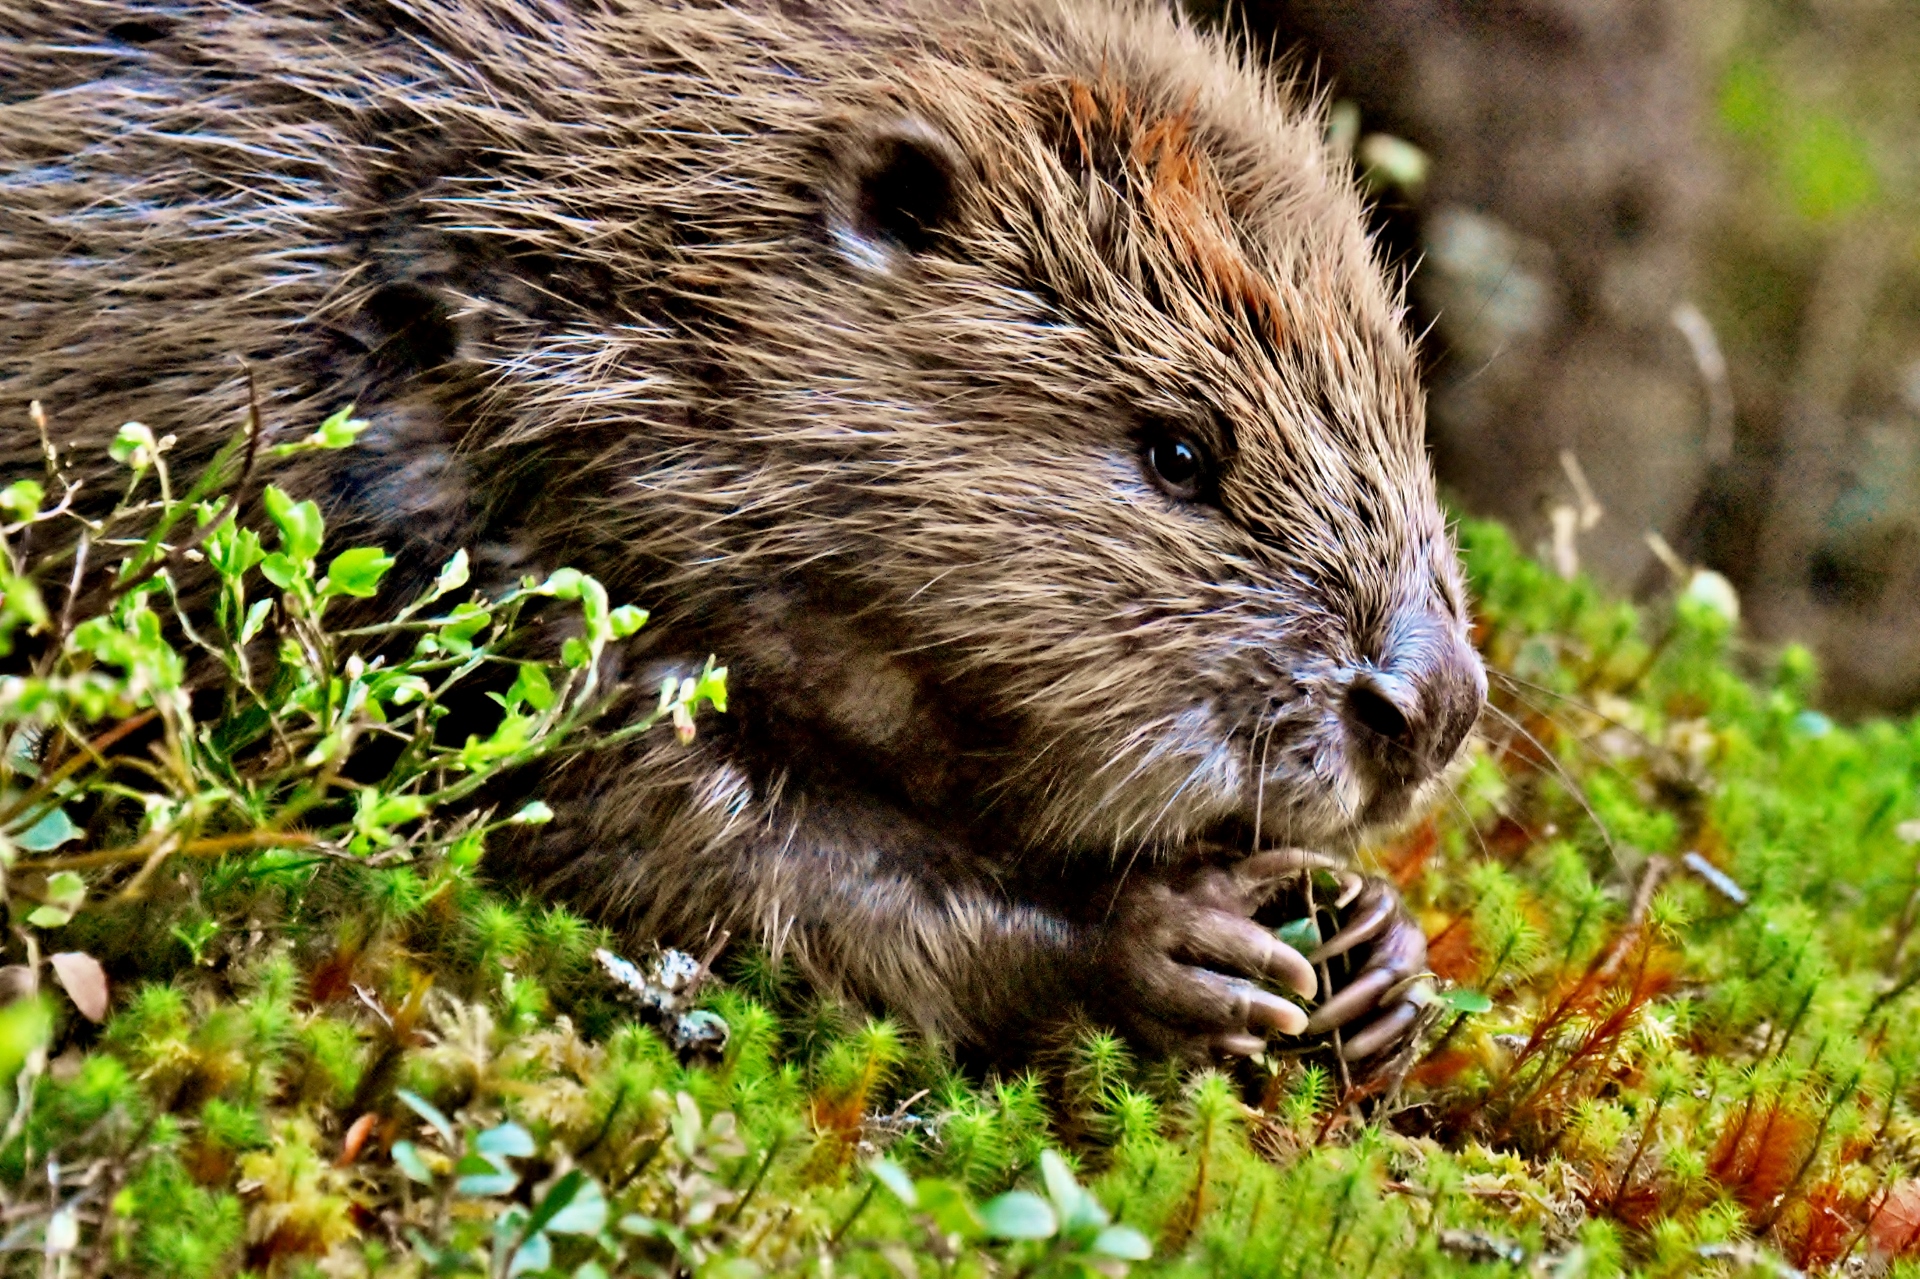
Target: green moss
1672 904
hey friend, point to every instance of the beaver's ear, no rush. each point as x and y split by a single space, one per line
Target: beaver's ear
900 181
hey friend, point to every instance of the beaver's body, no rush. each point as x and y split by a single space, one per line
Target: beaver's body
1003 388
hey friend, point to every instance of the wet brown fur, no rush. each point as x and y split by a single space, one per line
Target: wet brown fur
598 275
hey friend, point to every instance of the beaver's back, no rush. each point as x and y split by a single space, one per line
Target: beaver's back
343 198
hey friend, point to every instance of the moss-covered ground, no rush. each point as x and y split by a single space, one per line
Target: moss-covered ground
265 1013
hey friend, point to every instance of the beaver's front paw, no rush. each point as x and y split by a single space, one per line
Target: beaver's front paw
1374 957
1185 969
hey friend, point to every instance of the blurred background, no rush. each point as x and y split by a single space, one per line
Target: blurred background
1667 254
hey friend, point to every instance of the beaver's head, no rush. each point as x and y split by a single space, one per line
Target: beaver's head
1081 403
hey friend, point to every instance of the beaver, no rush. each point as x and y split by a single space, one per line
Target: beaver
1006 388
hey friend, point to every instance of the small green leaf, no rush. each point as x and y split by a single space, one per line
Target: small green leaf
511 737
575 653
894 1178
1060 1183
711 687
583 1213
645 1227
406 1157
1123 1243
1301 934
453 576
534 1255
282 571
256 618
66 889
21 499
688 1127
394 809
1465 1001
375 813
49 917
1079 1211
563 584
1019 1214
442 1260
555 1201
133 445
300 525
400 689
626 620
25 1025
339 430
429 1112
483 1178
233 550
532 687
51 831
594 610
357 572
508 1140
949 1206
460 627
534 814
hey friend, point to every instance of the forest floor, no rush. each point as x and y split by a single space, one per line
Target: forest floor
265 1012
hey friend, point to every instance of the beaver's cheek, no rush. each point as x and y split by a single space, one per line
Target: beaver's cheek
1215 762
1309 794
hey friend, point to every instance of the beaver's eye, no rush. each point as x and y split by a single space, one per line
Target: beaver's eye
1178 464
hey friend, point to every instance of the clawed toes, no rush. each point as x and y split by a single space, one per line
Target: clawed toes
1385 1032
1374 910
1231 1006
1362 996
1270 1012
1231 1045
1201 976
1226 1014
1378 1007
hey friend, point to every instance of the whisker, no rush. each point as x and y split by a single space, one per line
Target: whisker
1515 684
1582 741
1566 779
1460 806
1260 780
1119 886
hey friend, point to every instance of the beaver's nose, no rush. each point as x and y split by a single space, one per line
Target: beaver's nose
1407 716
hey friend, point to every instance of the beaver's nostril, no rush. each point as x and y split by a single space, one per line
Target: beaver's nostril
1452 727
1405 723
1374 711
